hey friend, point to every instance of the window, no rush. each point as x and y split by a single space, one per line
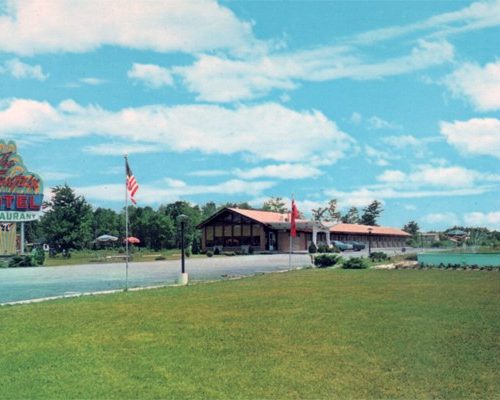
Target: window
246 230
209 232
218 231
237 230
228 231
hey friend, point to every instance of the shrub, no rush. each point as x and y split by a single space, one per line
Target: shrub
38 256
378 256
250 250
210 253
322 248
229 253
355 263
159 258
216 251
312 248
20 261
195 248
326 260
187 251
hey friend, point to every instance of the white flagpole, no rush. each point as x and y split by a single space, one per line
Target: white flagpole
126 225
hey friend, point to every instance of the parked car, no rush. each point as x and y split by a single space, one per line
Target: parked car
357 246
342 246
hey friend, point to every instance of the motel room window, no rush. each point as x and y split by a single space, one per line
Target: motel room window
246 230
209 232
228 231
237 230
218 231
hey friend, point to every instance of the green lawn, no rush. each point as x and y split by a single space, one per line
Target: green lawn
306 334
111 256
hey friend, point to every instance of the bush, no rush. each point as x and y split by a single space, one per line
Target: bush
216 251
355 263
210 253
38 256
312 248
378 256
21 261
322 248
159 258
187 251
229 253
195 248
250 250
326 260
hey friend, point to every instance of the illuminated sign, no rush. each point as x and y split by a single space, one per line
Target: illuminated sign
21 191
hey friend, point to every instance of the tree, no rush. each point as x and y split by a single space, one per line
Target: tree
352 216
68 223
371 213
208 210
275 204
107 222
412 228
328 213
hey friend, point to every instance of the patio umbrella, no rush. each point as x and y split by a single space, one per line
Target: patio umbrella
132 240
107 238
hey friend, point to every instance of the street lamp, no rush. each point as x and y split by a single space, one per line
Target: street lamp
370 241
183 278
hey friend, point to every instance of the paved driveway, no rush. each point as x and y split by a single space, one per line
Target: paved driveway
33 283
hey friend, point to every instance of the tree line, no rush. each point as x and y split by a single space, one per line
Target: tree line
70 222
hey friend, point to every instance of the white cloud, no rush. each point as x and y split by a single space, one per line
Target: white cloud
55 175
38 26
380 123
475 137
281 171
481 219
480 86
210 172
20 70
428 175
364 196
442 219
256 130
379 157
173 190
114 149
151 75
93 81
478 15
222 79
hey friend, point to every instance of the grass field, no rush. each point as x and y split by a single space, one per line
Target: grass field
301 335
110 256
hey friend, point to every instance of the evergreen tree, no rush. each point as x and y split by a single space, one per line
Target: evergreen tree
352 216
275 204
68 222
412 228
371 213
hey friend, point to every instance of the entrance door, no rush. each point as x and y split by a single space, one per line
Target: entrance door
272 241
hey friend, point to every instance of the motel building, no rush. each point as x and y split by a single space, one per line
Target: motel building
233 229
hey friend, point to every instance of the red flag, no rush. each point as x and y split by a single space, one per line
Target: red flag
132 185
294 216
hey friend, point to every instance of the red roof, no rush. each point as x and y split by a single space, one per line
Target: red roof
270 217
265 217
363 229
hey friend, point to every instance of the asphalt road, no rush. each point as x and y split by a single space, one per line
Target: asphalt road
17 284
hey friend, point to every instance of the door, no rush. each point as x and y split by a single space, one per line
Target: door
272 241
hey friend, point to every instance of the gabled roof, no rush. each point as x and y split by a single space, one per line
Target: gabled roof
363 229
264 217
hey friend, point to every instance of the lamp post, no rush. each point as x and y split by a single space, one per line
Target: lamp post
370 241
183 278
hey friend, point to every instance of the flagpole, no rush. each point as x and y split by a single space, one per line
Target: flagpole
126 226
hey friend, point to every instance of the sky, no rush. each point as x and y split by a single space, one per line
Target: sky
234 101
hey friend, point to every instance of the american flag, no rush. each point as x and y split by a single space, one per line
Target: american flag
132 185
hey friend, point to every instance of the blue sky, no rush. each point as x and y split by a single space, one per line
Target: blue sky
239 101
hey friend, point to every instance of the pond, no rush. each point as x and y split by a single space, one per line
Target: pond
480 259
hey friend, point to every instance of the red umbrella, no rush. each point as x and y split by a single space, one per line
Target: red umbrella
132 240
